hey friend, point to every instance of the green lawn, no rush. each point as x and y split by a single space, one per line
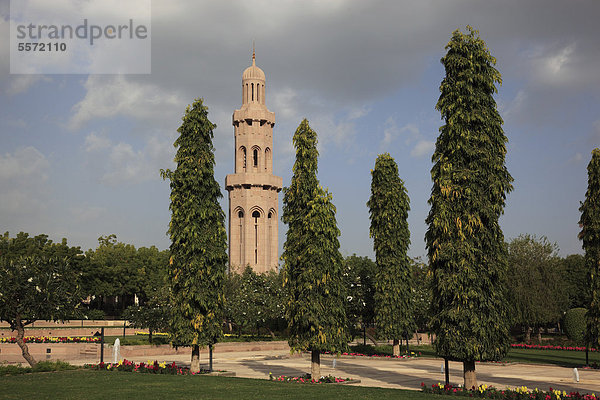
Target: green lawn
563 358
85 384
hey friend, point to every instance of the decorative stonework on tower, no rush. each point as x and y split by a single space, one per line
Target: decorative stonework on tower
253 189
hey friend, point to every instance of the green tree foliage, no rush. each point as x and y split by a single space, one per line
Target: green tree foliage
470 181
421 294
255 301
112 272
38 280
359 276
388 208
575 324
198 240
576 280
313 265
590 235
117 271
537 292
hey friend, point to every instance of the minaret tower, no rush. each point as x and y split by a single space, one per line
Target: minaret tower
253 189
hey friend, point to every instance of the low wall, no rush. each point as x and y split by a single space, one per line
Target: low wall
70 328
11 352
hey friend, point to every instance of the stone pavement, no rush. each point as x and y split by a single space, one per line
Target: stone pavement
390 373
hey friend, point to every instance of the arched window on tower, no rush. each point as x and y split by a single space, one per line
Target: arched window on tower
241 230
256 216
243 158
258 92
267 159
255 157
269 237
252 84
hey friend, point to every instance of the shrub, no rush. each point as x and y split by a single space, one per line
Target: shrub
575 324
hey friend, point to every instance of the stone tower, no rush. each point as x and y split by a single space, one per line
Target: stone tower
253 189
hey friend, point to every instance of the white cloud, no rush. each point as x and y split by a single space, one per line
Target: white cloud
422 148
120 163
24 163
111 96
23 176
515 107
391 132
94 142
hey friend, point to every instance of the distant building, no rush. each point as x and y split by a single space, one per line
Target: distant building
253 189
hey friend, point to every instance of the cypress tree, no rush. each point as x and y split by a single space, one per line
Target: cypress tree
465 245
388 208
198 240
313 269
590 235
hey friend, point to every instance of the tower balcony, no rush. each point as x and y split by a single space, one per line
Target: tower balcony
254 113
249 179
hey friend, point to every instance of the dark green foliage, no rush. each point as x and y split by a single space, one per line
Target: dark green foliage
421 295
470 181
145 269
42 366
197 230
359 275
575 323
313 269
537 292
388 209
254 301
576 280
590 235
38 280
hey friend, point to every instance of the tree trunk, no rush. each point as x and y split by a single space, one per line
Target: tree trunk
315 365
21 342
418 338
195 364
371 338
469 374
539 335
528 334
396 347
150 336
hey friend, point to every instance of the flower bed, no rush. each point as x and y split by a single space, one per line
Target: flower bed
146 368
139 333
378 355
520 393
52 339
540 347
307 379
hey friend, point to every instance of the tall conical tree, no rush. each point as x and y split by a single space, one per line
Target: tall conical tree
312 261
198 239
467 254
388 208
590 235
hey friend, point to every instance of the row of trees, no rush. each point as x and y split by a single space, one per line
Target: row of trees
469 294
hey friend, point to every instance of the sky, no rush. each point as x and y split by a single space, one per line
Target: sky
80 154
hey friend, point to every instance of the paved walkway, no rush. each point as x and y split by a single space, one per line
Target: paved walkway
391 373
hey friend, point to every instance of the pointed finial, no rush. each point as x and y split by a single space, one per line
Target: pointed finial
253 54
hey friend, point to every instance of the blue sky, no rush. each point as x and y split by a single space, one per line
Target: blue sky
80 154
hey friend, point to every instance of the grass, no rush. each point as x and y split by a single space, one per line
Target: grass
563 358
83 384
42 366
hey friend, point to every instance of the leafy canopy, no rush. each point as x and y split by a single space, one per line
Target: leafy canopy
313 269
388 208
197 229
590 235
464 241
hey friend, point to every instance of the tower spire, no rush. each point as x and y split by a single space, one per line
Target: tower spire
253 54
